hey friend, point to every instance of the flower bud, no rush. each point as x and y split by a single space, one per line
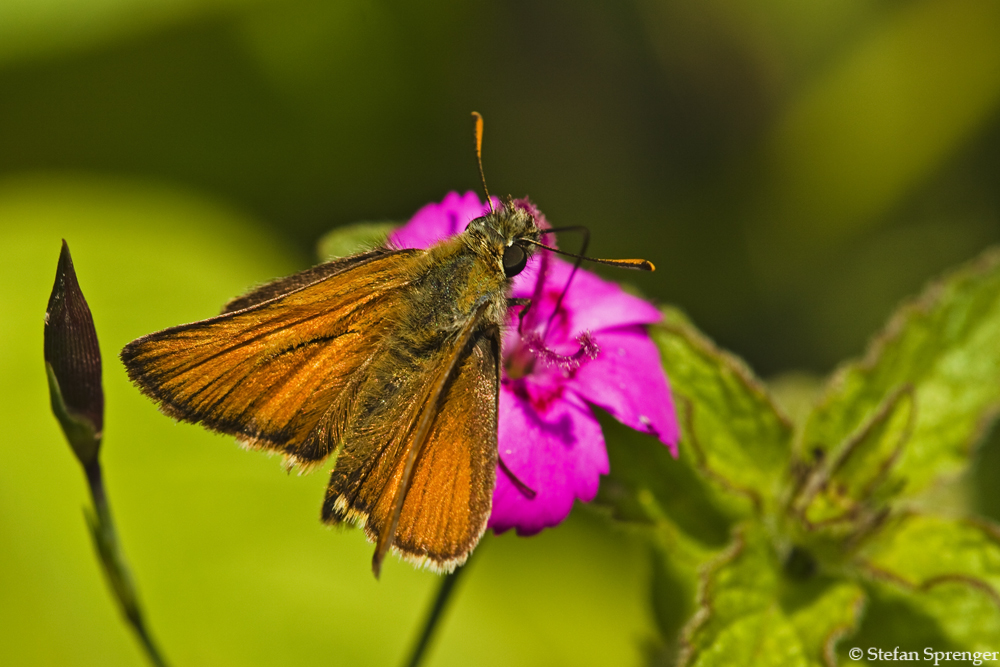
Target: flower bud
73 363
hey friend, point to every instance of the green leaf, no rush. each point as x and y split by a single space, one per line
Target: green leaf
894 619
751 613
944 346
865 463
823 612
918 551
947 570
739 438
354 238
849 489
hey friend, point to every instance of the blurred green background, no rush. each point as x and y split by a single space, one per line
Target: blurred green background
792 168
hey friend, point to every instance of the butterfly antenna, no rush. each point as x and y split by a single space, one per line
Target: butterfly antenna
478 120
638 264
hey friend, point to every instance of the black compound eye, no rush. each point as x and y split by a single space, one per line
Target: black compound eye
514 260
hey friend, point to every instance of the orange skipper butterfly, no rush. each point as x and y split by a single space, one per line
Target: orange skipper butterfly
388 362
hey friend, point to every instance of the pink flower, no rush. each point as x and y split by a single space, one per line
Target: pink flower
595 351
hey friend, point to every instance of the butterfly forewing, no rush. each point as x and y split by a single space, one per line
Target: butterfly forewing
282 286
271 372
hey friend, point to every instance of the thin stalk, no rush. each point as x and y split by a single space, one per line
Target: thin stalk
441 600
102 530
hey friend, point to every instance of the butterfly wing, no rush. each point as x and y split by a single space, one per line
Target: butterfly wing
419 476
271 371
450 496
282 286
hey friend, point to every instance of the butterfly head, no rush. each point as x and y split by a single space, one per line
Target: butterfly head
505 236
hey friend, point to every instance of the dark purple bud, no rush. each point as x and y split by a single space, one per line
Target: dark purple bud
73 362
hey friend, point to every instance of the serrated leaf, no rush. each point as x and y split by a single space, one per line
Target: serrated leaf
739 620
950 616
867 460
947 569
919 550
750 613
943 344
354 238
741 440
850 487
823 613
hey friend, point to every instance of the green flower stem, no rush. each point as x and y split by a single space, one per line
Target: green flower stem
102 530
95 479
437 610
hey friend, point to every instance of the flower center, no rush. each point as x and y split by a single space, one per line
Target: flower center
530 348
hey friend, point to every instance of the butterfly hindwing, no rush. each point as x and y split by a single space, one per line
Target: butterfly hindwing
448 494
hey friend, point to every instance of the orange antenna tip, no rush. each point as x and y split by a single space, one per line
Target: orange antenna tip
478 122
638 264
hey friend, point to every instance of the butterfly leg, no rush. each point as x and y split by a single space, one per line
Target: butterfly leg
524 311
528 492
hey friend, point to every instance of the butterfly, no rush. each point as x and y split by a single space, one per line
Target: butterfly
386 362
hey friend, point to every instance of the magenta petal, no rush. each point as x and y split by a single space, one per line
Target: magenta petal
436 222
559 453
591 303
627 380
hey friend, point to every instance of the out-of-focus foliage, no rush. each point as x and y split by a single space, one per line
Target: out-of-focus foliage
792 168
795 168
